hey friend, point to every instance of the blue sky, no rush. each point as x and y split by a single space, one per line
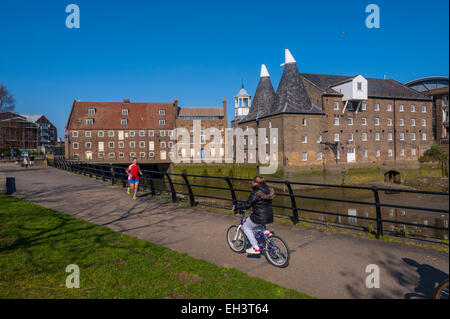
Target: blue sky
197 51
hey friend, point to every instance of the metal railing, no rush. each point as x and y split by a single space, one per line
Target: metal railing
151 180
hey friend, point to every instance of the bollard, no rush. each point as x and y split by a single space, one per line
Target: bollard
10 185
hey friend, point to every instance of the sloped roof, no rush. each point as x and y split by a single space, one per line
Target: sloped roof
376 87
31 118
262 101
108 115
200 111
291 96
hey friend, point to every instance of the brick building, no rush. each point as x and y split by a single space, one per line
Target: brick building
48 132
436 87
341 119
119 131
211 117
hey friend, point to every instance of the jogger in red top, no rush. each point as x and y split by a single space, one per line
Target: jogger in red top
133 172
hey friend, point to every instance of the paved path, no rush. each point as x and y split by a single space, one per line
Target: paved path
323 264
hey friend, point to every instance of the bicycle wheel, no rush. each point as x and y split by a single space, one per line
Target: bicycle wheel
277 252
442 292
236 239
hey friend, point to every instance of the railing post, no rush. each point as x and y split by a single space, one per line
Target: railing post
152 185
293 203
172 188
378 211
113 177
233 193
191 194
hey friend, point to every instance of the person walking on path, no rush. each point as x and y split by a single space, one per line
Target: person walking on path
25 161
133 172
260 200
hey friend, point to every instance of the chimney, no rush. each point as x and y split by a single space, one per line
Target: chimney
126 100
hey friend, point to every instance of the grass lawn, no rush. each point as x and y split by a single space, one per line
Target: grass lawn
36 245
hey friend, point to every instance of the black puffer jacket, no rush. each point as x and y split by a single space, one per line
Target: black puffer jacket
261 201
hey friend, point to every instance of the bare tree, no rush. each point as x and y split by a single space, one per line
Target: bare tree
7 102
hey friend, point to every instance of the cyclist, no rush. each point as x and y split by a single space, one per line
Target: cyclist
260 200
133 172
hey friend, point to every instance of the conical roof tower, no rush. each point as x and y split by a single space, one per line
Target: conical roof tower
264 97
291 96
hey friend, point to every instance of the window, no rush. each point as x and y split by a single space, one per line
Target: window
163 155
132 154
132 144
389 107
350 137
390 152
424 122
359 84
162 112
378 153
304 122
121 155
141 133
319 139
364 136
111 133
75 145
402 122
424 136
123 121
304 156
141 144
101 146
402 152
350 121
162 133
389 122
413 122
336 120
111 144
121 144
170 133
319 156
151 154
151 145
304 139
162 122
413 136
413 108
89 121
336 106
365 153
124 112
402 136
170 144
163 144
413 152
101 155
151 133
88 145
74 134
91 111
424 109
141 154
377 121
111 155
377 107
363 106
87 133
389 136
401 108
377 136
364 121
336 137
350 106
132 134
101 134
